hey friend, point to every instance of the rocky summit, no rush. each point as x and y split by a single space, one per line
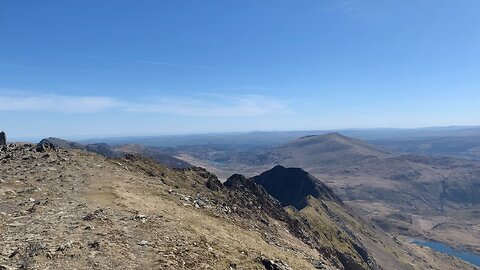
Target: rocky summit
65 208
291 186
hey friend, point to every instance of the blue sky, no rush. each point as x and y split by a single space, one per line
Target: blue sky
100 68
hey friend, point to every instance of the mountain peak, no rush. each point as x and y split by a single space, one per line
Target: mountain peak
335 135
328 136
330 146
291 185
61 143
237 180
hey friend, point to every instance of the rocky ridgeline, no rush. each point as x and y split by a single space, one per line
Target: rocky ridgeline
110 151
59 209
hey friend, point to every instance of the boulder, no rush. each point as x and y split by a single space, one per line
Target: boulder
214 184
45 145
274 264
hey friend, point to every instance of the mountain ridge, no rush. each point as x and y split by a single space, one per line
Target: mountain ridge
119 151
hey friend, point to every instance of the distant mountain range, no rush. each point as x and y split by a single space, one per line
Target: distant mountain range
456 141
454 146
275 138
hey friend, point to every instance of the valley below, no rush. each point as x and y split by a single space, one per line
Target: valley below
458 252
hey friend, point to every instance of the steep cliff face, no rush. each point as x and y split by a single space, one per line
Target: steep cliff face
249 195
318 208
339 248
292 185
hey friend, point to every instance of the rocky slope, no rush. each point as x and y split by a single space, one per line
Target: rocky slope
72 209
151 152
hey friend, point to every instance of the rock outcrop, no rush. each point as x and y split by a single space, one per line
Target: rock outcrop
248 195
45 145
3 138
274 265
3 141
292 185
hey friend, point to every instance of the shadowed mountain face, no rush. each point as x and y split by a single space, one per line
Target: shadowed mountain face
254 196
292 185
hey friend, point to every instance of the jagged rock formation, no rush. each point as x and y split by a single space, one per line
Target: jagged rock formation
45 145
250 199
274 265
72 209
61 143
292 185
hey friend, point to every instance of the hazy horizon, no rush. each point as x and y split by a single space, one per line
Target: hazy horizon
87 137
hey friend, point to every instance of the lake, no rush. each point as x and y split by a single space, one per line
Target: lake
440 247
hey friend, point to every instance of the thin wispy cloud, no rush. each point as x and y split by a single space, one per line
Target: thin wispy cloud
207 105
55 69
55 103
344 6
246 105
143 61
355 9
